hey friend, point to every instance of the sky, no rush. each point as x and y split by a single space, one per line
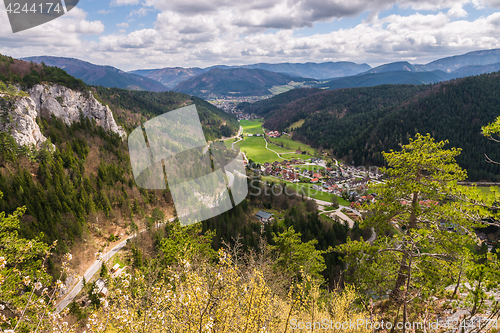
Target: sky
146 34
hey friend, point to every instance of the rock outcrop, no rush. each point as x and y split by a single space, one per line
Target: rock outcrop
67 104
18 118
18 113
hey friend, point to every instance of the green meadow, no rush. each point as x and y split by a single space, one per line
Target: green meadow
255 149
307 190
288 143
251 126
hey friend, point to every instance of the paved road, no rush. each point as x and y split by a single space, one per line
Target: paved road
96 265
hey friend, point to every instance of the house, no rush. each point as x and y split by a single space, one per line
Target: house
314 180
115 268
264 216
249 134
101 287
317 175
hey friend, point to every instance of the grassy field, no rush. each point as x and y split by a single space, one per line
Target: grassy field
280 150
296 124
290 144
255 149
251 126
308 190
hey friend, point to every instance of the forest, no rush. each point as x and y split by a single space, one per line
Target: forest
358 124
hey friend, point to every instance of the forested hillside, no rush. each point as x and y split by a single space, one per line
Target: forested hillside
358 124
85 185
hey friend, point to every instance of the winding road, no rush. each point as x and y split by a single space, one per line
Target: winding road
94 268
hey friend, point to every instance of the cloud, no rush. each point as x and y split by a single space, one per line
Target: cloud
104 11
124 2
207 32
457 11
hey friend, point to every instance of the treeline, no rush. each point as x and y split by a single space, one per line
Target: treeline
265 106
299 213
358 124
29 74
148 104
62 186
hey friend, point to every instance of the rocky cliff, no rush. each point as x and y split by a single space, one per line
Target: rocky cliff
18 113
18 118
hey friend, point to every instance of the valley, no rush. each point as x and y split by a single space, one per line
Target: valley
319 216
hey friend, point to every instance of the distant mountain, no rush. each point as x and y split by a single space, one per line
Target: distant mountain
393 67
395 77
105 76
325 70
450 64
170 77
475 70
234 82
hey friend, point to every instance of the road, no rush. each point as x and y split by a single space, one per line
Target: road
96 265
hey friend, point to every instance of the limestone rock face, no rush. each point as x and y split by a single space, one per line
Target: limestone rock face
18 113
67 104
18 118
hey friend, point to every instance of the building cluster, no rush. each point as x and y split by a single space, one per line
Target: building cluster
335 180
274 134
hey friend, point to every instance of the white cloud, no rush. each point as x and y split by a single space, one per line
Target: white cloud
124 2
208 32
457 11
104 11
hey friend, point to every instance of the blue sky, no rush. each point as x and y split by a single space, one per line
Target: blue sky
133 34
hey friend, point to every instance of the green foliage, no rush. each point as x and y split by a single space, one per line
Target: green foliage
432 224
294 257
185 243
23 271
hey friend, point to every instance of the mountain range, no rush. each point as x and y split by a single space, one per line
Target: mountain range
259 79
106 76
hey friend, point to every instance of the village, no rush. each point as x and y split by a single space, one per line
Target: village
340 180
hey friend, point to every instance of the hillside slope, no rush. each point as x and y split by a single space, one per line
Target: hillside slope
233 82
64 155
170 77
358 124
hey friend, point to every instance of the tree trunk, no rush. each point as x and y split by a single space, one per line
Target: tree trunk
397 294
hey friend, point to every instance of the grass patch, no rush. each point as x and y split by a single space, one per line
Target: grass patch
294 145
255 149
251 126
307 189
296 124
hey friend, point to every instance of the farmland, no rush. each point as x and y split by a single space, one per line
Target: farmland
288 143
255 147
